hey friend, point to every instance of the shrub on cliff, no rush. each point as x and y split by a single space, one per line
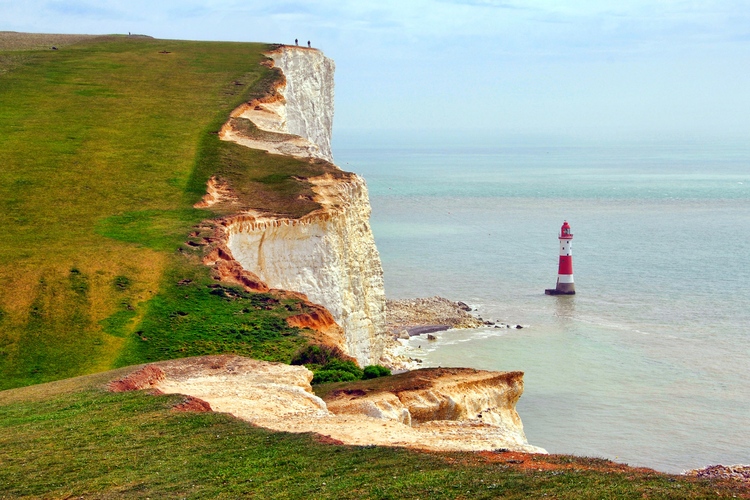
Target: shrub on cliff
375 371
317 355
338 370
322 376
345 366
329 364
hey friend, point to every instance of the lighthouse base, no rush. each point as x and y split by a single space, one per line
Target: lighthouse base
565 286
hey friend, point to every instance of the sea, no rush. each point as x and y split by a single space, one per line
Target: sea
649 363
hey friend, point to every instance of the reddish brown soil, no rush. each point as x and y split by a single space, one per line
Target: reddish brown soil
316 321
327 440
148 376
229 270
145 378
317 318
528 461
193 404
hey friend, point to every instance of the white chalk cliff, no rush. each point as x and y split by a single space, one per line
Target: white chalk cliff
308 94
330 254
432 409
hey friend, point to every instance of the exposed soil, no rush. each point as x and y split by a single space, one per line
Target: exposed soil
528 461
145 378
316 321
226 379
216 192
563 463
417 380
327 440
193 404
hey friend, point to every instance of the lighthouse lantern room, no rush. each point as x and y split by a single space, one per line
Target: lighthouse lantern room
565 284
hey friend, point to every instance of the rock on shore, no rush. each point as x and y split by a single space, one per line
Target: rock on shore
431 314
736 472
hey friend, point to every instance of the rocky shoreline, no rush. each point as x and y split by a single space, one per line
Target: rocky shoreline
407 318
735 472
410 317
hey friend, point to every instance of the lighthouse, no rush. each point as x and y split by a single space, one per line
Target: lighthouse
565 285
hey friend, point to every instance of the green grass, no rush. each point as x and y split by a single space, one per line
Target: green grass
71 439
157 229
193 315
105 145
266 182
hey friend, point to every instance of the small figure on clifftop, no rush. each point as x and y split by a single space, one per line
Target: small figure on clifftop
308 44
296 41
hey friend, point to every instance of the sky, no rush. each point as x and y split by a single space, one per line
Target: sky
469 68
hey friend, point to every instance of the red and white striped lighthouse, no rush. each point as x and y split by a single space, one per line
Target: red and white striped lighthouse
565 285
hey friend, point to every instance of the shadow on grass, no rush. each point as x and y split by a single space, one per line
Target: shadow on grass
155 229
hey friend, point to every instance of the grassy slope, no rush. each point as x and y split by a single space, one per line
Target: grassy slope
70 438
105 145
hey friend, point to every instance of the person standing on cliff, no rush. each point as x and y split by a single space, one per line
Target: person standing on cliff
296 41
308 44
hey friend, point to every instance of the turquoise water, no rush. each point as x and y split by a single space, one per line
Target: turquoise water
649 363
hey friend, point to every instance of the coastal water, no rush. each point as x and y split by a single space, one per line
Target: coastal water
649 363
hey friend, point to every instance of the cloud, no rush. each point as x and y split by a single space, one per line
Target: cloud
495 4
82 9
295 8
189 12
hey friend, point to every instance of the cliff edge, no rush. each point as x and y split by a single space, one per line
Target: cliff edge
456 409
329 254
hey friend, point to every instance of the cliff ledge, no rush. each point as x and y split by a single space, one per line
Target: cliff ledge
431 409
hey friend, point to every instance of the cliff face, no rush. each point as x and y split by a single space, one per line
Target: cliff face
439 397
330 254
330 257
432 409
308 95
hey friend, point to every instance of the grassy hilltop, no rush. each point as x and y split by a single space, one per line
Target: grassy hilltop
105 145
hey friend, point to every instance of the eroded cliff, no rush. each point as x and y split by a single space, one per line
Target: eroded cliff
329 255
440 399
308 94
433 409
